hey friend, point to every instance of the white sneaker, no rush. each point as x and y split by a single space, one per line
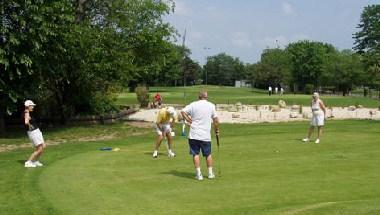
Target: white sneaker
155 154
38 164
317 141
211 176
30 164
171 154
199 177
305 140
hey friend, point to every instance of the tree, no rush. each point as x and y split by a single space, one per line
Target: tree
223 69
347 71
273 68
309 61
367 42
71 56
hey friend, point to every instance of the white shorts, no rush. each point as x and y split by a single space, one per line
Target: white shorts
317 120
36 137
165 127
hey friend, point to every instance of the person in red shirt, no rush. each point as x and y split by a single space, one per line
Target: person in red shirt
157 100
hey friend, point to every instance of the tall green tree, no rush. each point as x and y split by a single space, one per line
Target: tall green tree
223 69
272 69
367 43
309 61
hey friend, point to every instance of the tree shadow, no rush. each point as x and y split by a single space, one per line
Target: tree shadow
188 175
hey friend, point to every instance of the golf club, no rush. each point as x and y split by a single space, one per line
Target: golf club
218 145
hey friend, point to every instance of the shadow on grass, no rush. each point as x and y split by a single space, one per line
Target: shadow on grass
21 161
188 175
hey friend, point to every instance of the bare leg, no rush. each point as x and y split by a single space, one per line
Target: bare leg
196 161
311 129
320 129
170 140
37 152
209 161
158 142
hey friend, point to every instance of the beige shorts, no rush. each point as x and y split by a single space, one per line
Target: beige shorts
36 137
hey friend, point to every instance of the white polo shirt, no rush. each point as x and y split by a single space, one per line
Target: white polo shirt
202 114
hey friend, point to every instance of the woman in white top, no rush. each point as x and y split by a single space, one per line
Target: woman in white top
318 119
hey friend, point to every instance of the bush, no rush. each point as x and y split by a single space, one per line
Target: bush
142 96
309 89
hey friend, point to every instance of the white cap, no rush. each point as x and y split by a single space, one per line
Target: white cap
172 111
29 103
316 94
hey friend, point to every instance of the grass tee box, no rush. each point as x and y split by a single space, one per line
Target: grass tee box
266 170
231 95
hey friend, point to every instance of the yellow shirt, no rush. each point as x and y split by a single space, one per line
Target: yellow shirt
163 116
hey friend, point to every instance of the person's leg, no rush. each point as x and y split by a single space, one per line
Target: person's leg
320 130
209 161
158 142
194 151
170 144
310 132
159 139
40 150
311 129
196 161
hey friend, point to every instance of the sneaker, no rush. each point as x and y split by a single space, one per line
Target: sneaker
199 177
306 140
38 164
30 164
211 176
317 141
155 154
171 154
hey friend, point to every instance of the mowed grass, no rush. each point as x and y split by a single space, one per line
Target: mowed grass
265 169
231 95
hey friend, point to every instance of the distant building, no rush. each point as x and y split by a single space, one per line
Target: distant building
242 83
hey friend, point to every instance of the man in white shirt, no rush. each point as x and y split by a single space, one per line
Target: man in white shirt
200 115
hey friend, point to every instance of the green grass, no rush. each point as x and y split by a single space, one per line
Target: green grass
265 170
231 95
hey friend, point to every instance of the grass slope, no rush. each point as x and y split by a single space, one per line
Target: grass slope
231 95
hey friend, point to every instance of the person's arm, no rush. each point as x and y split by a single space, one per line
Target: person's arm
215 120
323 107
26 118
186 117
216 125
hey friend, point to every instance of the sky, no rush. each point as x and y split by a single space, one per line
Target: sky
244 28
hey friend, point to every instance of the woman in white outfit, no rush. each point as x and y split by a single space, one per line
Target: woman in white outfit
318 118
34 135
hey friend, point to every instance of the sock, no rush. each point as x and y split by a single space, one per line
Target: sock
170 151
210 171
198 171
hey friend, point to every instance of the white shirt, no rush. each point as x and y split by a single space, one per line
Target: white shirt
202 114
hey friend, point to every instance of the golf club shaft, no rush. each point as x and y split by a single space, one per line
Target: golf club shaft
218 145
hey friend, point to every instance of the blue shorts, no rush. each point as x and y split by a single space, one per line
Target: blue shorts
198 145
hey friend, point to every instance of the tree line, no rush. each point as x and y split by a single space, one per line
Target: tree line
72 56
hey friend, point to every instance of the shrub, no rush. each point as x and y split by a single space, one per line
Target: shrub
142 96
